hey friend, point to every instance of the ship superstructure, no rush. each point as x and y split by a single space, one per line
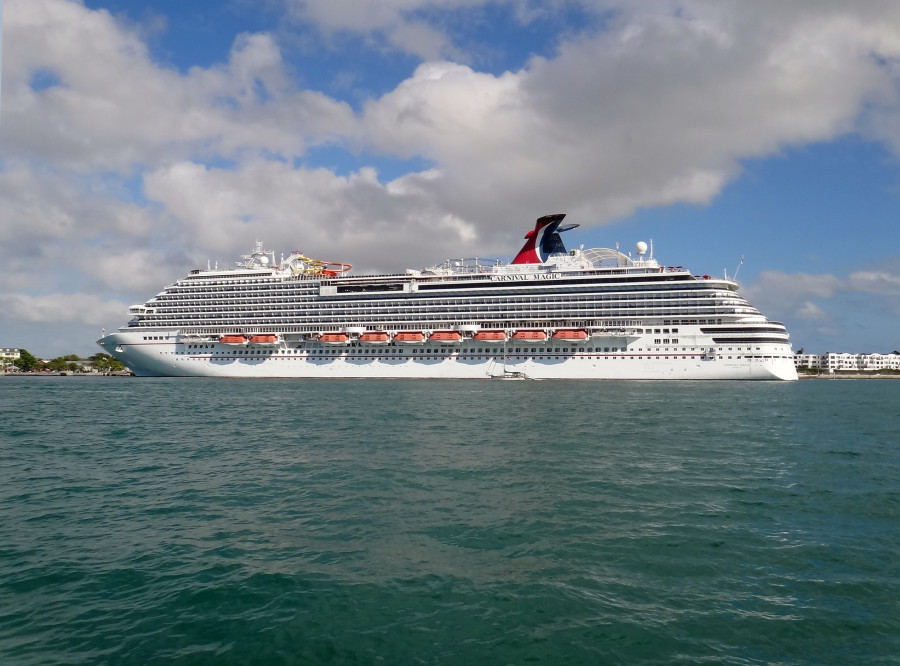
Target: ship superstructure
548 314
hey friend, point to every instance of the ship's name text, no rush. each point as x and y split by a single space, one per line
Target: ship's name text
526 276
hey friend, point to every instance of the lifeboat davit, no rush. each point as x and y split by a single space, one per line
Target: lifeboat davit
491 336
570 335
538 336
375 338
334 338
264 339
233 339
410 337
445 337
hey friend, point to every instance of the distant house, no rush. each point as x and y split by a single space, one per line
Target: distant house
837 362
8 355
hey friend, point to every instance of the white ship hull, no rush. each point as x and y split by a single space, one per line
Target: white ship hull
175 359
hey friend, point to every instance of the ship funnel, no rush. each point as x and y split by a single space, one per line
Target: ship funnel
543 241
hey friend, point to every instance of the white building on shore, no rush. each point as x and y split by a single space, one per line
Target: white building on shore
835 362
8 355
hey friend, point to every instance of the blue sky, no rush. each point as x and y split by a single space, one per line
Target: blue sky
139 140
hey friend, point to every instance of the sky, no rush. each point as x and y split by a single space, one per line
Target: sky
140 140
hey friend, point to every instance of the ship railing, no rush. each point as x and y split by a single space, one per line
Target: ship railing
520 268
464 266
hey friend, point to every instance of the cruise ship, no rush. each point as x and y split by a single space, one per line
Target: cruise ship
550 313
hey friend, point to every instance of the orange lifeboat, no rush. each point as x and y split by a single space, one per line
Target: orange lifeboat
233 339
445 337
570 335
334 338
375 337
410 337
491 336
530 335
264 339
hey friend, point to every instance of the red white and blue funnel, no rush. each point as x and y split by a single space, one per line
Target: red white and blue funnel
543 240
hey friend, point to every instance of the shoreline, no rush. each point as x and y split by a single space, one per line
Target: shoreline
842 375
66 374
849 375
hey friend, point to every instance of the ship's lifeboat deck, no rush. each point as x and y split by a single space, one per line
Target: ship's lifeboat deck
409 337
529 335
334 338
491 336
375 338
570 335
446 337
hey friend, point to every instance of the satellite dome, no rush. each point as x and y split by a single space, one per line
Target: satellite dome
640 247
264 260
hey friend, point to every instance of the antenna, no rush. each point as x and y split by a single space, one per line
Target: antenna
738 268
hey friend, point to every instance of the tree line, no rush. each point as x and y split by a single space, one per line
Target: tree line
102 362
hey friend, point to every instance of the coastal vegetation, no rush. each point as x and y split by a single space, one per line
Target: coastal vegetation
26 361
99 362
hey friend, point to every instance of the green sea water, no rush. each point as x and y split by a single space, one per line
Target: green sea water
204 521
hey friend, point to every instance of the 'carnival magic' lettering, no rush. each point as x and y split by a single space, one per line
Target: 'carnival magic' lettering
526 276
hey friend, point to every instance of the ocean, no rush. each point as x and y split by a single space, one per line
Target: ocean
206 521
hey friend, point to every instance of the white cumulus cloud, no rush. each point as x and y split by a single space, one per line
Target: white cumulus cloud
61 308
